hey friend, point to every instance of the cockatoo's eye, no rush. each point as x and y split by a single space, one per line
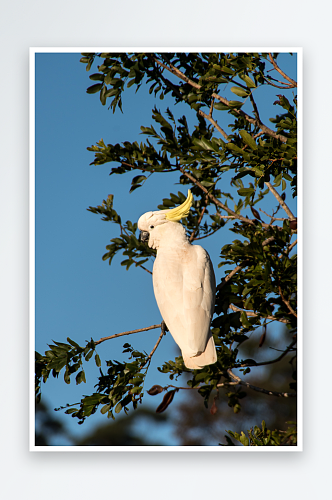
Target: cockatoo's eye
151 227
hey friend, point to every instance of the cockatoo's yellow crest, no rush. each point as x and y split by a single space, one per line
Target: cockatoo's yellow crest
177 213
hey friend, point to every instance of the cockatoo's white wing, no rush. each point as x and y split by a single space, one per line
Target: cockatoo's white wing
184 287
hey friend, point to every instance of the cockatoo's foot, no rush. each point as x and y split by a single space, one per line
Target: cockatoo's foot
164 327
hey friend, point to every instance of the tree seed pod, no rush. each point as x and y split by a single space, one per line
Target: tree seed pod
168 398
262 339
214 408
255 213
293 224
155 389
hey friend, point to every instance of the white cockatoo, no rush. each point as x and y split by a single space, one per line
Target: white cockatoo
184 283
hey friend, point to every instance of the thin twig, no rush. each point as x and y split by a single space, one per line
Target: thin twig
211 107
284 86
250 313
207 235
153 327
280 200
271 216
147 169
215 201
268 240
140 265
286 302
199 221
292 246
238 381
259 389
214 123
231 274
263 363
293 82
163 332
255 107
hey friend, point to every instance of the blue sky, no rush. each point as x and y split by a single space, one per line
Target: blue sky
77 294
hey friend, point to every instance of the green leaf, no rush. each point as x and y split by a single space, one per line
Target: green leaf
118 408
88 355
71 410
105 408
138 179
244 320
245 191
97 360
219 106
97 76
248 139
251 84
80 377
94 88
131 82
73 343
240 92
243 439
235 104
203 143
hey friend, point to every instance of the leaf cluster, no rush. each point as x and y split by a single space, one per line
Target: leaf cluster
121 385
265 437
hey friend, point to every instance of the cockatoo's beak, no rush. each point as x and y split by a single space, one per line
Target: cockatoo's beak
144 236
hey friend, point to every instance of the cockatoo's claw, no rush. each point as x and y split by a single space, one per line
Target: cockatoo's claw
164 327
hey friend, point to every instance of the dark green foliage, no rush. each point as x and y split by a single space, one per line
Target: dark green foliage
265 437
251 161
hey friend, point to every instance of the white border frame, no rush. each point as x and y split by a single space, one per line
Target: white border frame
218 449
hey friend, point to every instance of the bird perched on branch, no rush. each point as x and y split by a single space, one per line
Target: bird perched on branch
183 282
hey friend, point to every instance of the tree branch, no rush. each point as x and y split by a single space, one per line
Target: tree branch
153 327
199 221
280 200
176 91
259 389
214 123
175 71
286 302
250 313
140 265
231 274
293 82
147 169
292 246
263 363
238 381
284 86
215 201
272 217
255 107
163 332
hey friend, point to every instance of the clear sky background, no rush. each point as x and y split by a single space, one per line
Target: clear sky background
77 294
237 24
